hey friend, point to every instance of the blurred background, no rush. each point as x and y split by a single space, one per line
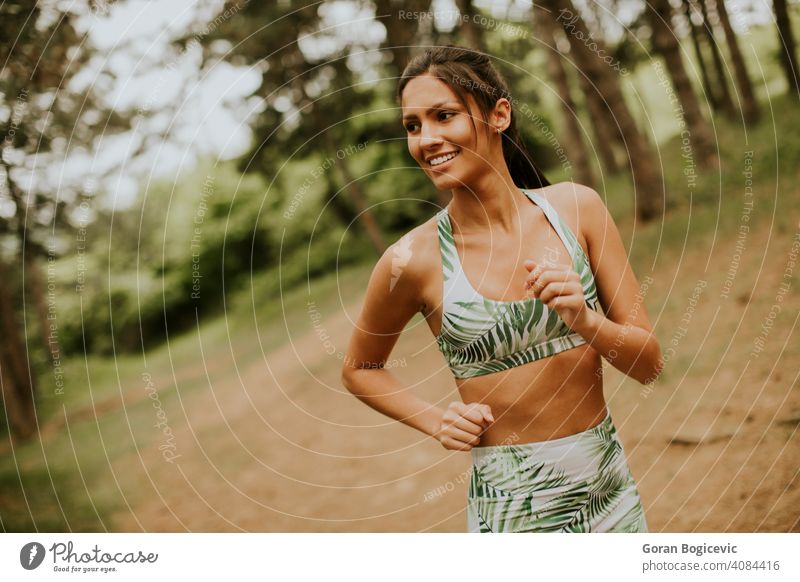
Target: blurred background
193 194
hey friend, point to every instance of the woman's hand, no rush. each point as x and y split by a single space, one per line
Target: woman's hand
560 289
462 425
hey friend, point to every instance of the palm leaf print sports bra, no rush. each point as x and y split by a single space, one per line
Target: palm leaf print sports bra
482 336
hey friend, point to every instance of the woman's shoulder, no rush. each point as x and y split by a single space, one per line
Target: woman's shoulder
577 204
412 257
570 197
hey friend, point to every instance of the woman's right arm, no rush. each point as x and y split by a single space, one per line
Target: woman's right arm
391 300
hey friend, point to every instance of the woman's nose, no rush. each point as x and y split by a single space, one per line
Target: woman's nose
429 137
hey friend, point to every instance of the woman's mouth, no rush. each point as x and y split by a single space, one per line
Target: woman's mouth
442 160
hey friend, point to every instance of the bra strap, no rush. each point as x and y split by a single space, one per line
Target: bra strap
552 216
447 247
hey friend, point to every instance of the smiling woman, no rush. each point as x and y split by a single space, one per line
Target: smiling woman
510 277
461 94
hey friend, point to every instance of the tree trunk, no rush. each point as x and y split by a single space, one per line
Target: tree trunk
353 187
365 213
788 51
400 32
337 203
35 290
29 251
750 110
18 386
604 127
470 31
606 133
665 43
648 184
20 423
719 68
573 136
701 60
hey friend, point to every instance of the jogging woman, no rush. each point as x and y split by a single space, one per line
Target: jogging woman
510 277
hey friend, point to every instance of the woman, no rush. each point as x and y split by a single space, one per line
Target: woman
510 277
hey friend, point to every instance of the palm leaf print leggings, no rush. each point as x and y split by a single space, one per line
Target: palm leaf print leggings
578 483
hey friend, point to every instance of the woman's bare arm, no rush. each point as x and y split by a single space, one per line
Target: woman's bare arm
391 300
624 335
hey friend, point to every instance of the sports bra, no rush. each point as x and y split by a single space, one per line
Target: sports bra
482 336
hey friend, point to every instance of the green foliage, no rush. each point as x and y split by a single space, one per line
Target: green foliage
174 253
183 248
46 499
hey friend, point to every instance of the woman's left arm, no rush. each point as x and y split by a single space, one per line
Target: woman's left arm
623 335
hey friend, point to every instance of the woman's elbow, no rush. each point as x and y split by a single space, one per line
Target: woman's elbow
652 371
350 368
352 377
346 377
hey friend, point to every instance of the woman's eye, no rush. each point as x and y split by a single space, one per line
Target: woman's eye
410 126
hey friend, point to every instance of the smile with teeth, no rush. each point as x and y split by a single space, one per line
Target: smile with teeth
442 159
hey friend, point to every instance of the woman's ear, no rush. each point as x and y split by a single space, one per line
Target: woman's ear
501 114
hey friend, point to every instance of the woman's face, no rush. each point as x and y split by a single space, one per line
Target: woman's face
440 134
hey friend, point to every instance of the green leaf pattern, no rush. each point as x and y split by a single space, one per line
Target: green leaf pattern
481 336
514 490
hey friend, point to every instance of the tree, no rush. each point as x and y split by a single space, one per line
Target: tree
610 143
471 32
42 117
725 99
400 30
666 44
17 380
750 109
648 184
788 51
572 135
605 130
701 59
263 35
49 114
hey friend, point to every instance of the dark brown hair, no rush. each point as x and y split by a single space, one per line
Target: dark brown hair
469 71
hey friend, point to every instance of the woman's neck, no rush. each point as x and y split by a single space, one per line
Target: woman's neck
491 204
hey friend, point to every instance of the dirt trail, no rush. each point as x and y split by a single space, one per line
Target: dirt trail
280 445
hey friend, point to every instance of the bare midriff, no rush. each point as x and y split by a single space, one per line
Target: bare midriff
547 399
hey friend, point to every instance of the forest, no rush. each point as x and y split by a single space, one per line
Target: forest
193 195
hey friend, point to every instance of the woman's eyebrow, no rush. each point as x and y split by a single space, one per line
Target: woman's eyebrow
435 106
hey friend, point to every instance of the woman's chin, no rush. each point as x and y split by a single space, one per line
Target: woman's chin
445 182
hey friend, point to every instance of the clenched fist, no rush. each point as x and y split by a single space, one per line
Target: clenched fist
462 425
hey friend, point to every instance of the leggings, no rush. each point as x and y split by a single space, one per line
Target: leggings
578 483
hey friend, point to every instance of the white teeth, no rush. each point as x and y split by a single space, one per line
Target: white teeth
443 159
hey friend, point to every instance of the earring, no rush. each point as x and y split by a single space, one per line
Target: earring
499 131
